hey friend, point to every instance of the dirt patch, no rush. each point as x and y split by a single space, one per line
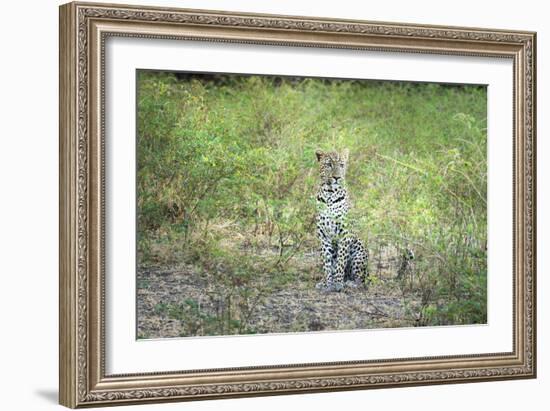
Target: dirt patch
296 307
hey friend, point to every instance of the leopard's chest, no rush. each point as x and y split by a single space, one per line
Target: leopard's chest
333 207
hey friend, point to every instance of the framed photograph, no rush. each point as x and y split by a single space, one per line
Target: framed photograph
259 204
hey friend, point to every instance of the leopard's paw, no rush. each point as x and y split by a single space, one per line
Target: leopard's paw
320 285
333 287
351 284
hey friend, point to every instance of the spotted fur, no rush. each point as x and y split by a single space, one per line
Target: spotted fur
344 256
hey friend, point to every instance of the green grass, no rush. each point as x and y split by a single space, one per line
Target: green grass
227 178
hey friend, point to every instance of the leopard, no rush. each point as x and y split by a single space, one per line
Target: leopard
344 256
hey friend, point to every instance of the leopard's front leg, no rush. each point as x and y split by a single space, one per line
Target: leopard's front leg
327 254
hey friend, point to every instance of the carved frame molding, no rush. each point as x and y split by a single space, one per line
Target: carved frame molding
84 27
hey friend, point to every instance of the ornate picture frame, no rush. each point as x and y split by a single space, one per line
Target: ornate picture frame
84 29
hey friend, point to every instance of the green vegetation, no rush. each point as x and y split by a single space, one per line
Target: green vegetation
227 178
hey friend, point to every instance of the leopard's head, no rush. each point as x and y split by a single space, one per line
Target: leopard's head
332 166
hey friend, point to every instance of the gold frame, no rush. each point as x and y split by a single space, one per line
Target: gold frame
84 28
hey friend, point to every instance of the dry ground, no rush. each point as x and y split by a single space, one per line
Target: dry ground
294 308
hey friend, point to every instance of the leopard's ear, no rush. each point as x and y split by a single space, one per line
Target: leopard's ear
319 154
345 154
